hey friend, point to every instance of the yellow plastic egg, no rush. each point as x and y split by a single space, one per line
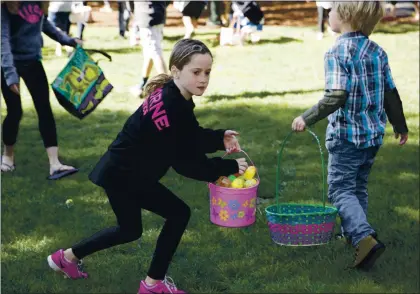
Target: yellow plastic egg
237 183
250 172
250 183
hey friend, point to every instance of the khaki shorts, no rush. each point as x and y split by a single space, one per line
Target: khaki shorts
151 40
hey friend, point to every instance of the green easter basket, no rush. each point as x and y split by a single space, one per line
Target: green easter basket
296 224
81 86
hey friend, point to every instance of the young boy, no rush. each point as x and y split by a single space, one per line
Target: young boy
250 19
359 94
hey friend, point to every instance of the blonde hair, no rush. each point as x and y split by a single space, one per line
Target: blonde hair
360 15
181 55
13 6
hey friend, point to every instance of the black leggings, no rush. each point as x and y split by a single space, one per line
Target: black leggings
322 17
127 204
33 74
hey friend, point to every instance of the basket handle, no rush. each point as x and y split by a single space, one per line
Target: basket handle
93 51
250 160
279 159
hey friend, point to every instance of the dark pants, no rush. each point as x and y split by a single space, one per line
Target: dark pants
127 204
33 74
216 10
322 17
123 23
81 26
60 20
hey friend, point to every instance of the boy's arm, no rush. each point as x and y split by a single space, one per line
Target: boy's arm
333 100
392 102
394 111
337 80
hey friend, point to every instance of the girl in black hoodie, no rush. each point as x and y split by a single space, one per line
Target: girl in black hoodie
162 133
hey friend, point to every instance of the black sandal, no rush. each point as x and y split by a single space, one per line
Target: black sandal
61 173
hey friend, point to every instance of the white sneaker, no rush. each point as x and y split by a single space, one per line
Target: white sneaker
58 51
136 90
319 36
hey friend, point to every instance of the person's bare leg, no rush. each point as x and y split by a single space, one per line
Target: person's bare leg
194 22
189 26
416 8
149 281
147 67
69 255
159 63
146 70
55 163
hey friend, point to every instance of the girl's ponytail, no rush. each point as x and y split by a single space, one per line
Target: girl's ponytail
155 83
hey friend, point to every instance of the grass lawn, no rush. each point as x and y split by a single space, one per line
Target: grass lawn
257 90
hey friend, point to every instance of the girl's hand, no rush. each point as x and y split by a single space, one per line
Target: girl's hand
230 141
15 89
298 124
242 165
78 42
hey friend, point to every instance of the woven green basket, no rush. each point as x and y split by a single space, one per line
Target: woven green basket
296 224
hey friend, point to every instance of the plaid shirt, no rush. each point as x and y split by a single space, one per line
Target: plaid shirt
360 67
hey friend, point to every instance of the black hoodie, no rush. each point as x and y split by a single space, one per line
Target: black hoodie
162 133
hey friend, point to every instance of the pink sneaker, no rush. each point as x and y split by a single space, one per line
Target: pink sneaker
162 287
72 270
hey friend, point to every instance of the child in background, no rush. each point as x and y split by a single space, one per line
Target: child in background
58 14
248 18
162 133
149 17
359 96
323 10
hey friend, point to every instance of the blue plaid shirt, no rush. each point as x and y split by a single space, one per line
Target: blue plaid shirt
360 67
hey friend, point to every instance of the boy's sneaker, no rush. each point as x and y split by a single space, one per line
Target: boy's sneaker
319 36
162 287
72 270
368 250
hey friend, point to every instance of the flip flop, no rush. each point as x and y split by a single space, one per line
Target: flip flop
10 167
60 173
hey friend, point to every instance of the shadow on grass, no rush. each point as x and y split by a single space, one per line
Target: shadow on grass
261 94
400 28
198 34
281 40
32 207
127 50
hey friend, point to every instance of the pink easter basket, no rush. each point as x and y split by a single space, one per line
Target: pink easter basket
233 208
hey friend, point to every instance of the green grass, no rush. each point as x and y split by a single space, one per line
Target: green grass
257 90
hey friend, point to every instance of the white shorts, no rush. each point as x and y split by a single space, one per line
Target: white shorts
151 40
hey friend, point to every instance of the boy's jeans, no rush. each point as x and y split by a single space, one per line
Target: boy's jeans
348 171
